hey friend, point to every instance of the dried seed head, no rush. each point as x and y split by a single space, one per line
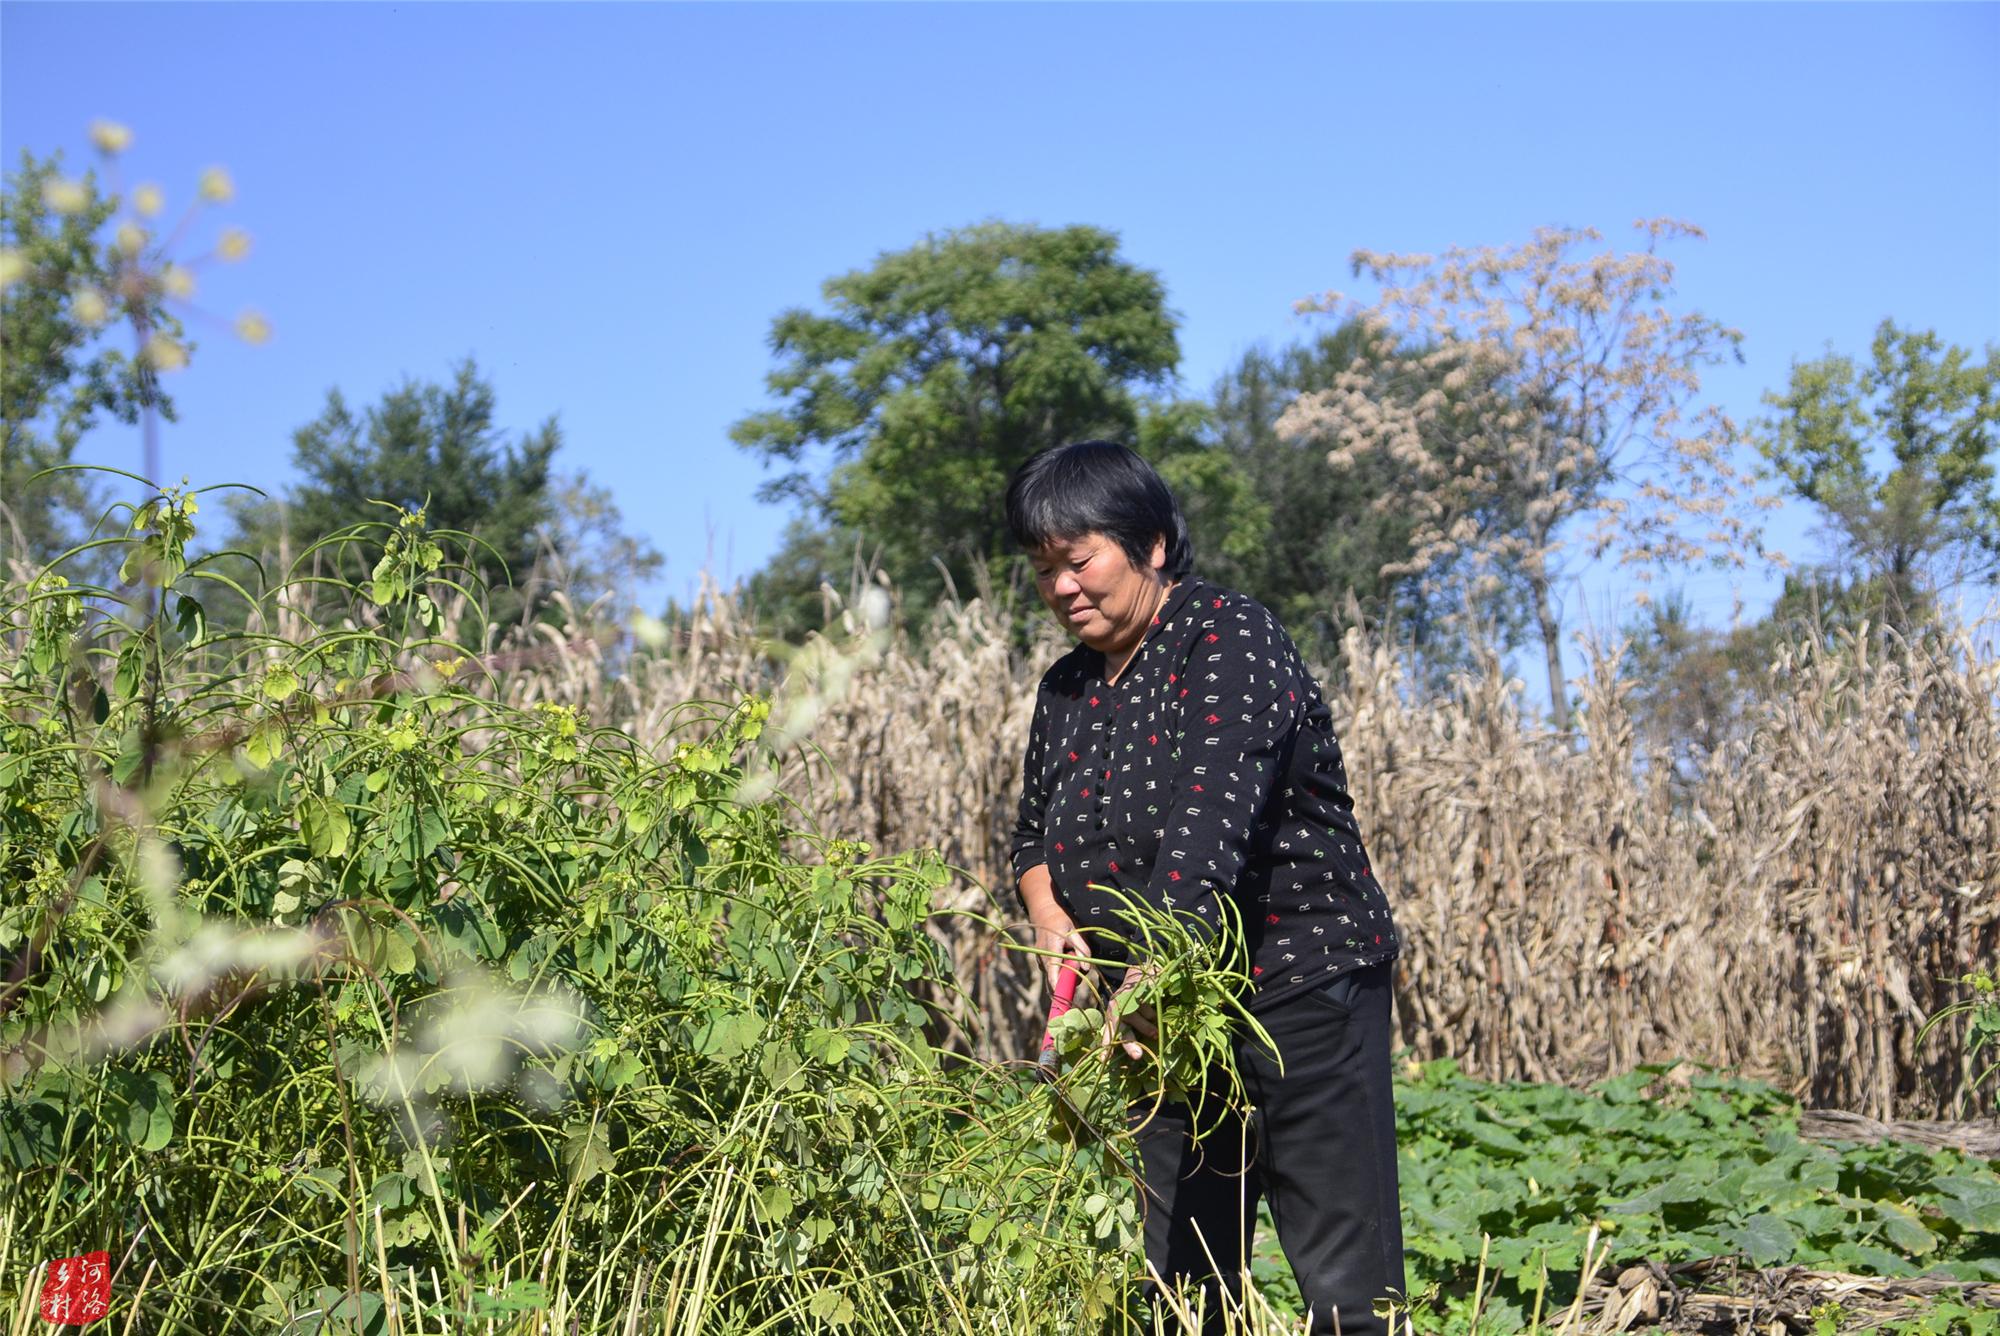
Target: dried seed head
216 187
110 136
89 306
65 196
166 353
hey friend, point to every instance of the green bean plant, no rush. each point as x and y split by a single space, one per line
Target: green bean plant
1194 978
342 994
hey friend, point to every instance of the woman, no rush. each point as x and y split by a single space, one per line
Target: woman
1183 754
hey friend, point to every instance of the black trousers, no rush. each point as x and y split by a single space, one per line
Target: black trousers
1320 1142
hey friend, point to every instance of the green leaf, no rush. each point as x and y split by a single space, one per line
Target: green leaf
399 1231
131 759
774 1204
1870 1260
780 1065
1680 1188
1901 1227
467 931
1765 1238
398 955
145 1107
831 1307
190 619
342 1313
326 827
587 1153
624 1070
31 1133
1972 1203
728 1035
828 1046
392 1191
264 745
1494 1137
280 682
432 829
131 668
788 1250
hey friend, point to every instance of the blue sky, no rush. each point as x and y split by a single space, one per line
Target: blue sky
605 205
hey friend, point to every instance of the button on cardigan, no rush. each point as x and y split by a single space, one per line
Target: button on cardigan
1210 769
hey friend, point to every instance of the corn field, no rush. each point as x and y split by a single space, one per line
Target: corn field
1793 909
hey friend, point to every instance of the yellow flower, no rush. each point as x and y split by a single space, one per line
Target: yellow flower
147 200
234 244
89 306
252 327
13 266
131 238
65 196
110 136
216 187
166 354
177 281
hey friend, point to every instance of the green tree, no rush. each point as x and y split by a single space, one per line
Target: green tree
1898 456
425 445
1690 682
1325 532
60 287
934 374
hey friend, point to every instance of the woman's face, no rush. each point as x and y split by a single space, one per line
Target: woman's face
1096 592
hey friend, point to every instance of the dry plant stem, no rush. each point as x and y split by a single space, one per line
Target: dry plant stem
139 1296
1592 1259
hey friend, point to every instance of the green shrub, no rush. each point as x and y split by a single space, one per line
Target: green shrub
344 992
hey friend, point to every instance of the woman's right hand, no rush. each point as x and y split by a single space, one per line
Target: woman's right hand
1055 930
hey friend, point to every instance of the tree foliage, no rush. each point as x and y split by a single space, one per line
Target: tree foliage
1323 536
1898 457
1548 386
936 372
60 285
430 447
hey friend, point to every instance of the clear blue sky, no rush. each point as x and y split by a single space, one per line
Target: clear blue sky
606 204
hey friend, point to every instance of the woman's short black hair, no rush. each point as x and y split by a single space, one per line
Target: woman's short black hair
1067 491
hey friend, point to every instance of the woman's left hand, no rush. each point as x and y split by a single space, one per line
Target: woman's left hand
1138 1022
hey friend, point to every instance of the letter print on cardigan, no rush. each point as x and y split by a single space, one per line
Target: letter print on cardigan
1193 799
